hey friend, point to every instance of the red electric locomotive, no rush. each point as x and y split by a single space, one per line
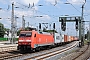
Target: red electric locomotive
34 40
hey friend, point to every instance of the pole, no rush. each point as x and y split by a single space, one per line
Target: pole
16 26
89 31
50 26
23 23
28 24
12 24
82 26
80 32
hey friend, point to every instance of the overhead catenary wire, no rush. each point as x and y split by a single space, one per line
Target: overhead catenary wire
73 6
56 3
76 8
47 13
36 10
41 12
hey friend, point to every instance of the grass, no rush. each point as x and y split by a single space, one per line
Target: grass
86 41
6 39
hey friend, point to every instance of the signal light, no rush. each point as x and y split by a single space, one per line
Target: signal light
64 28
54 25
63 24
76 21
62 21
76 25
39 25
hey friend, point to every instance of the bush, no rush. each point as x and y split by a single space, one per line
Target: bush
3 39
6 39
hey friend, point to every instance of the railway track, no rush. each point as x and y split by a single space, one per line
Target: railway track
88 58
9 54
51 54
16 55
8 48
82 52
79 54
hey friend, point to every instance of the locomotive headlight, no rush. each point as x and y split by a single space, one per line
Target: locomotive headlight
20 40
28 40
24 40
19 43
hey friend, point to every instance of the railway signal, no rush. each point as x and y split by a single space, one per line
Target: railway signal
39 25
74 19
76 25
53 25
63 24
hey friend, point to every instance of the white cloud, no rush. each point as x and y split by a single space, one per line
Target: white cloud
30 1
76 1
4 1
25 13
44 17
17 12
5 14
26 1
53 2
35 8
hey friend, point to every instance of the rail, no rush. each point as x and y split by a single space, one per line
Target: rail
50 54
83 52
8 48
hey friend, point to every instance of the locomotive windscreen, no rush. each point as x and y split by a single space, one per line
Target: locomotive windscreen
26 34
22 35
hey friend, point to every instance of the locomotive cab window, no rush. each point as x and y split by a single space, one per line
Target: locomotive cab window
28 34
22 35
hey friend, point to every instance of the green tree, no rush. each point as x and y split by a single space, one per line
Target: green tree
2 31
26 29
30 28
18 32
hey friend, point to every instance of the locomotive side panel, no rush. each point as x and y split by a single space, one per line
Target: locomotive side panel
43 39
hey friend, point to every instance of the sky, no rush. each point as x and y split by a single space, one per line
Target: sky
50 10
